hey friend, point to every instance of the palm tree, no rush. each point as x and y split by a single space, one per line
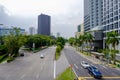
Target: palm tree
81 40
89 39
114 41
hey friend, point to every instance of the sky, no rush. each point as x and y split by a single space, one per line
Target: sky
66 15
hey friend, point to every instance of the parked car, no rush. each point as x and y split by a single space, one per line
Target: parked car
42 56
85 64
94 72
21 54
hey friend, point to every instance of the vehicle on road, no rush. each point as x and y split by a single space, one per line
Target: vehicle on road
94 72
21 54
42 56
85 64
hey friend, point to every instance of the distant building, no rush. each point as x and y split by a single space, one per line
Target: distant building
6 31
80 30
31 30
44 24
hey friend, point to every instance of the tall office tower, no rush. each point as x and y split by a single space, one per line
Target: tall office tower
44 23
92 14
32 30
111 16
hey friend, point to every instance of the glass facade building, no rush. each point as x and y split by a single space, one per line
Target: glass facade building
92 14
102 13
44 23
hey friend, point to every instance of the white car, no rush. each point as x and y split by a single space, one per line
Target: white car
41 56
85 64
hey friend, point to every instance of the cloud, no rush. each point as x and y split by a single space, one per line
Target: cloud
65 16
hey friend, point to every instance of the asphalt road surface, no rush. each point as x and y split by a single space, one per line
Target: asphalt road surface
30 67
75 59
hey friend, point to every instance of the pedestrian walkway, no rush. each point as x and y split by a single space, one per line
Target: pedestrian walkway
61 64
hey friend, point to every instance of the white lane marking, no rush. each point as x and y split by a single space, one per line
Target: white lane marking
104 67
76 66
37 76
54 69
75 72
23 76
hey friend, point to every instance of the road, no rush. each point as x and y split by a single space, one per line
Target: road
30 67
75 59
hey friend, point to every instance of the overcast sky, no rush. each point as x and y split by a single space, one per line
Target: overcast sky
65 14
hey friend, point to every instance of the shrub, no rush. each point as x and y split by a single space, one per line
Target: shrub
3 49
60 44
10 59
58 49
99 50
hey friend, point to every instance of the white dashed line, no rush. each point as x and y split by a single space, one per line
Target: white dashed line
76 66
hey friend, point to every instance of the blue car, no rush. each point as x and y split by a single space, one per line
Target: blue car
94 72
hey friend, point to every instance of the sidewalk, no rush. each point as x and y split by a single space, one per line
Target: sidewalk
61 64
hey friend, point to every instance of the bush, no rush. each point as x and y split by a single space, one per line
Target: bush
2 58
58 49
60 44
3 49
10 59
99 50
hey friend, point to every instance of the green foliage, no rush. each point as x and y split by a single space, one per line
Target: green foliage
60 44
14 41
58 52
3 49
71 41
3 57
10 59
100 50
58 49
112 38
60 39
39 40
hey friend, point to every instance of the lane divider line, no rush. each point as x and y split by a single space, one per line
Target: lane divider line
54 69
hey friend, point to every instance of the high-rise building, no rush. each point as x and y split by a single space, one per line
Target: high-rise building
44 24
102 14
31 30
80 30
111 16
92 14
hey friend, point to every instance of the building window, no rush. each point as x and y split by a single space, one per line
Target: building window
116 18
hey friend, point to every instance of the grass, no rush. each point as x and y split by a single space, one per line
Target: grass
66 75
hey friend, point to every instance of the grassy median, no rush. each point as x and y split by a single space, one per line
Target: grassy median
68 74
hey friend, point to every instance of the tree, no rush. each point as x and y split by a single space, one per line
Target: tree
61 39
14 41
88 38
71 40
112 38
81 40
